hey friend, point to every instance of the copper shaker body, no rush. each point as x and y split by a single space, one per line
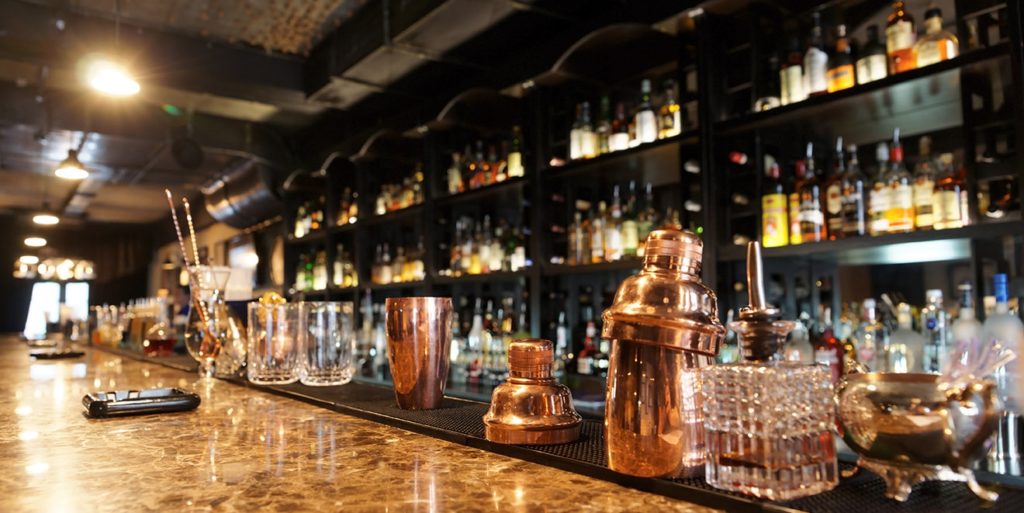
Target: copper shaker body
419 337
664 329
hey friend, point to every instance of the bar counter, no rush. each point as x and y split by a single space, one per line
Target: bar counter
245 450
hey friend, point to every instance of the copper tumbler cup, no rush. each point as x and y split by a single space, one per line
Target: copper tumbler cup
419 339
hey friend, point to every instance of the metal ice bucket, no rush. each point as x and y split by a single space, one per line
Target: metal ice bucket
908 428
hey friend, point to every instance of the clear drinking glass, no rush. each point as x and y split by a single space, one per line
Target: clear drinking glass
273 356
327 343
208 321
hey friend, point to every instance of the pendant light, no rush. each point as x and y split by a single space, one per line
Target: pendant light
105 75
35 242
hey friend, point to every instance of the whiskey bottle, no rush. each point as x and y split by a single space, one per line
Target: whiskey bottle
588 141
816 61
575 251
791 75
337 268
646 121
854 195
900 35
515 154
873 63
936 45
834 194
774 222
878 197
613 229
812 213
618 140
597 235
576 135
604 126
950 196
499 165
794 203
841 74
670 114
924 186
900 214
630 230
646 220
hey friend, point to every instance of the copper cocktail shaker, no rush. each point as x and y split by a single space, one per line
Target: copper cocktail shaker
664 328
419 340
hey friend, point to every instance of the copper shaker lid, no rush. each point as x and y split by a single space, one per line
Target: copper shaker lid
531 408
666 303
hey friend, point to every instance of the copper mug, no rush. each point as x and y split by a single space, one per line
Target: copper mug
419 339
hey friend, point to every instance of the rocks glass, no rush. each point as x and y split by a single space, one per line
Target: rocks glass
274 334
327 343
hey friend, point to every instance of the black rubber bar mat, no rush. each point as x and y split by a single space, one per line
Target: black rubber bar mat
461 421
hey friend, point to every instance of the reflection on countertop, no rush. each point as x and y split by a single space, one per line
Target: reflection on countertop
246 451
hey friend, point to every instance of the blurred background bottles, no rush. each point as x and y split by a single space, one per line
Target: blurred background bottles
478 247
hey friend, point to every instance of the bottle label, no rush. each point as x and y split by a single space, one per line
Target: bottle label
630 238
793 80
774 227
816 64
871 68
901 208
612 244
646 126
924 197
794 219
515 164
899 36
618 141
840 77
878 205
588 144
947 210
575 143
853 211
931 52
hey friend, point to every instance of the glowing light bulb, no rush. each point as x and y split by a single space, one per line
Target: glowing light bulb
110 78
45 219
35 242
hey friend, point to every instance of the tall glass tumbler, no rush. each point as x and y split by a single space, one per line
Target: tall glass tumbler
273 356
419 340
327 343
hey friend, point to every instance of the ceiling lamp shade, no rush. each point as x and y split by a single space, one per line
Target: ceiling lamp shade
70 168
45 219
35 242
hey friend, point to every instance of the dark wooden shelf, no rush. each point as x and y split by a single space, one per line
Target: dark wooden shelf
343 228
309 293
394 215
576 167
395 286
310 237
341 290
829 249
628 264
483 192
482 278
813 106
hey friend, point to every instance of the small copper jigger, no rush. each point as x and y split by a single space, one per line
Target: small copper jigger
531 408
419 332
664 328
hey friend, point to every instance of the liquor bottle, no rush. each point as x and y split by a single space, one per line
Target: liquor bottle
935 328
300 226
300 274
337 267
630 230
597 235
604 126
853 197
399 270
873 63
468 251
936 45
841 74
950 195
619 138
562 351
588 137
317 218
670 114
966 326
483 176
499 164
924 186
385 274
791 75
576 135
588 331
872 339
575 251
827 348
834 193
812 212
483 247
515 154
908 350
900 214
900 35
646 220
476 340
310 271
774 224
816 61
878 199
496 257
518 251
613 229
646 121
794 203
1006 328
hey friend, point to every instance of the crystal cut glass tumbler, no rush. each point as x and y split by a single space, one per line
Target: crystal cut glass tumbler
327 343
768 428
273 356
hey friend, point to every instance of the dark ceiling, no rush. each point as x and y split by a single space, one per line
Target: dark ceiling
281 81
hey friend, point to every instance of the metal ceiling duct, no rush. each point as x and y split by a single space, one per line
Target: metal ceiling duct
244 194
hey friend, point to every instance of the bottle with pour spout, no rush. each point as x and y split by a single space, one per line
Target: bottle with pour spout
768 422
664 328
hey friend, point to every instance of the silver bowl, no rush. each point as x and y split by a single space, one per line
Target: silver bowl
908 429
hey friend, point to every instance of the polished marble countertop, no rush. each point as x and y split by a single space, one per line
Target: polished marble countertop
247 451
